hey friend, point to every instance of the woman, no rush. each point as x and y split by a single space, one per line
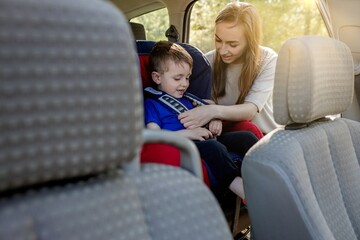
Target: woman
243 72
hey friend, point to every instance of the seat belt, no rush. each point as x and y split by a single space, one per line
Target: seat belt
171 102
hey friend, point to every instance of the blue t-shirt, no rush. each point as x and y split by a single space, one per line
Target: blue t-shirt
162 115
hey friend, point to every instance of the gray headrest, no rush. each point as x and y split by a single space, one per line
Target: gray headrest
138 31
70 103
314 78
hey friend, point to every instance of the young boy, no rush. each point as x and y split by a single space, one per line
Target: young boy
171 67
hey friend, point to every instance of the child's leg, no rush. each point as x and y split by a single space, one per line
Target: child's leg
238 142
237 187
221 165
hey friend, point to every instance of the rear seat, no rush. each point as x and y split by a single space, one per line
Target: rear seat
138 31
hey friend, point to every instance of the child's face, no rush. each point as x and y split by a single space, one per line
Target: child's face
175 80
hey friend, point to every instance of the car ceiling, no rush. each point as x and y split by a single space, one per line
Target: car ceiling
136 8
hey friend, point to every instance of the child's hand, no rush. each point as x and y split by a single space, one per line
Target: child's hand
209 101
215 127
200 134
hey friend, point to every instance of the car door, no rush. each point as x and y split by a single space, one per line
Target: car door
343 22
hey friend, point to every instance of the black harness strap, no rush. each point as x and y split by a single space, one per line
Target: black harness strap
171 102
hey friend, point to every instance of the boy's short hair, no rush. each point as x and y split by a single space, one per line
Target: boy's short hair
164 51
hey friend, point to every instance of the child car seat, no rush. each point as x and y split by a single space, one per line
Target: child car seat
200 85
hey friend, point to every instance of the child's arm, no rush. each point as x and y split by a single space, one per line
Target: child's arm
209 101
152 125
196 133
193 134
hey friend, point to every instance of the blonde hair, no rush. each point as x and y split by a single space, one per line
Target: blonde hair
246 15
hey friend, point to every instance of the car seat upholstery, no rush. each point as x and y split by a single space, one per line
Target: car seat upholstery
302 180
201 73
71 122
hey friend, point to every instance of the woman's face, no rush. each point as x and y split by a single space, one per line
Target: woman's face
230 41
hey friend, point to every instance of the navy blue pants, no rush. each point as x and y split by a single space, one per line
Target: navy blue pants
217 155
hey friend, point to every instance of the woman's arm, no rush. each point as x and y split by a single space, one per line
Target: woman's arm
254 101
201 115
245 111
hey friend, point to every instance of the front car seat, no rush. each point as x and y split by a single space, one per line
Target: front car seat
71 124
302 180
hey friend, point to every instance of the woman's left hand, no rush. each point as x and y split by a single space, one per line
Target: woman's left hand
197 117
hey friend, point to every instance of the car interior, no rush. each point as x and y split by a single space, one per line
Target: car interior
76 161
72 129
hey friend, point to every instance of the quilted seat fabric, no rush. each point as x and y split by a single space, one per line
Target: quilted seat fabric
312 189
71 123
61 92
160 202
302 180
105 207
309 80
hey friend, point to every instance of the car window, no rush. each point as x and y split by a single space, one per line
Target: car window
281 20
155 23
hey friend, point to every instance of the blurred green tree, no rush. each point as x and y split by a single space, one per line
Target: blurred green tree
281 20
155 24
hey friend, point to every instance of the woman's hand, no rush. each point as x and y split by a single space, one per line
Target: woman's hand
197 117
215 127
